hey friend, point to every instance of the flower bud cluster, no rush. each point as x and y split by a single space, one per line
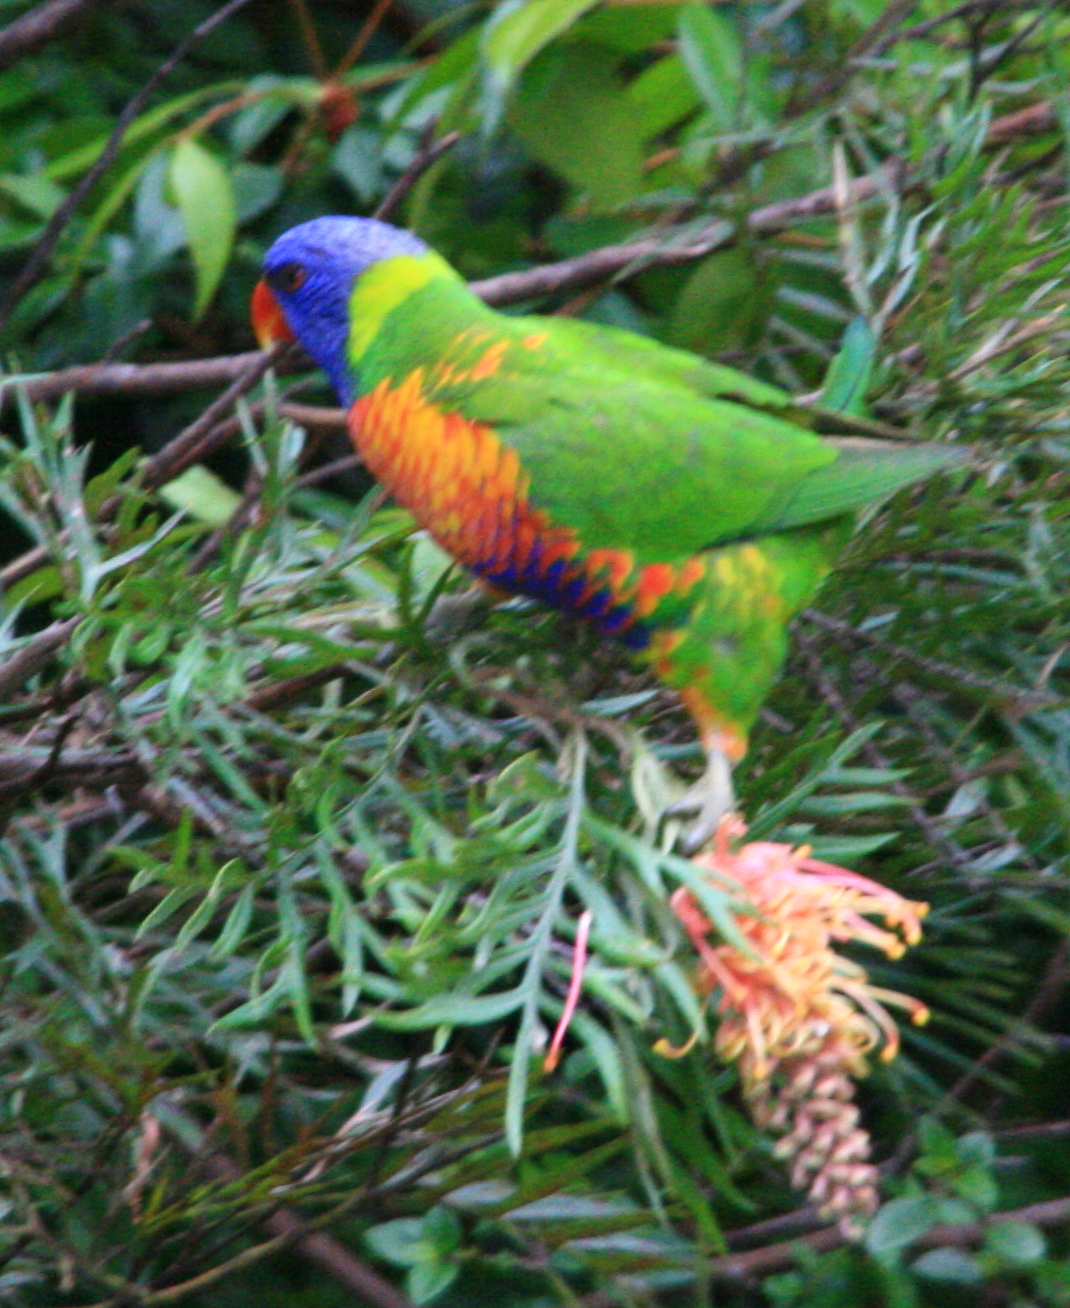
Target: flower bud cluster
799 1018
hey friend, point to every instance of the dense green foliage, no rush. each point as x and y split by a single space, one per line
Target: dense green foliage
292 860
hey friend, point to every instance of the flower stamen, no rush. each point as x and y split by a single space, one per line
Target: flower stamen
799 1018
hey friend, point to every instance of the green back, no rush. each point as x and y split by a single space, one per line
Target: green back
626 441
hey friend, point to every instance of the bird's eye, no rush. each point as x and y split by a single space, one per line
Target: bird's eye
287 279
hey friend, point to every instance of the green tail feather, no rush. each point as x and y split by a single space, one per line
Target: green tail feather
866 470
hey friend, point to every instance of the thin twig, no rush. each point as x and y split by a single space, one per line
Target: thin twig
1003 692
327 470
38 260
44 23
1034 118
425 157
311 39
937 840
365 34
199 439
881 33
931 24
194 443
326 1253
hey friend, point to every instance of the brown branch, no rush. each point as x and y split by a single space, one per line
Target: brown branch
507 288
513 288
1034 118
38 260
1040 1131
44 23
785 1254
776 1257
26 769
34 656
136 378
633 256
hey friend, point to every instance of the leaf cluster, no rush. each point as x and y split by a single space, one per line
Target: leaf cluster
295 847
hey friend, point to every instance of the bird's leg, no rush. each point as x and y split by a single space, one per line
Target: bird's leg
453 614
709 799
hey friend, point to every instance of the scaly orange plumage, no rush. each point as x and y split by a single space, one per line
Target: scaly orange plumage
470 491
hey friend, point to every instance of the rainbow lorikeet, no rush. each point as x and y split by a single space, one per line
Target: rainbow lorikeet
652 492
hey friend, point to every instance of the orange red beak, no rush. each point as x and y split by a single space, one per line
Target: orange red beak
269 321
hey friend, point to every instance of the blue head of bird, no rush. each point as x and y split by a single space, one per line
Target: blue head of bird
309 276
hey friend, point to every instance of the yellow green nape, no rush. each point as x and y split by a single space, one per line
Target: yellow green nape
384 286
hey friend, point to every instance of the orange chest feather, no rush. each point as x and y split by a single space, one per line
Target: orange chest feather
469 490
454 475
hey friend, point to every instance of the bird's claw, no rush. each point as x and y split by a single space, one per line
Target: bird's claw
708 800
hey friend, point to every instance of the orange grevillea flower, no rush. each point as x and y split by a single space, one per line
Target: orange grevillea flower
798 1017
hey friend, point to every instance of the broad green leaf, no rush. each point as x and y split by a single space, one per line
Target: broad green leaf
724 305
256 188
202 495
954 1265
427 1280
710 49
398 1242
514 35
664 94
442 1230
977 1186
358 161
36 194
1015 1244
568 98
205 198
900 1222
81 158
632 28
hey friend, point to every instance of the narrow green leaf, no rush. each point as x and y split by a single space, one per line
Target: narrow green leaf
205 199
849 372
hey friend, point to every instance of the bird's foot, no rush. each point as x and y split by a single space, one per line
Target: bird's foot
687 816
707 801
457 612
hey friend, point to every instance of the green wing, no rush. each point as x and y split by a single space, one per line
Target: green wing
623 349
631 443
